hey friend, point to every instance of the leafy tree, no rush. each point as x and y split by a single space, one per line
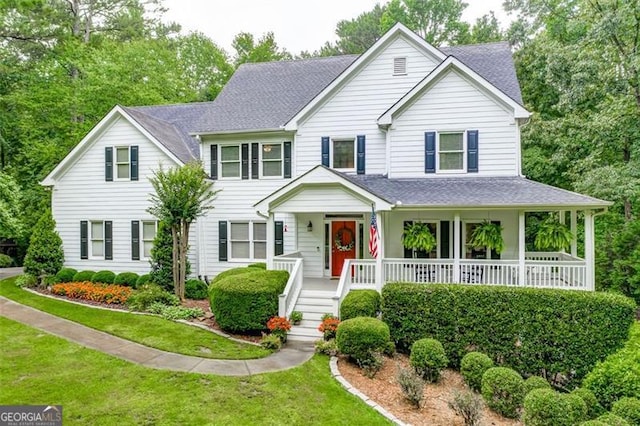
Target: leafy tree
44 256
182 194
162 258
356 35
264 50
10 208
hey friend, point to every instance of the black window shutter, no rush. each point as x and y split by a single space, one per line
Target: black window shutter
494 255
108 164
430 152
325 151
408 253
133 151
287 160
279 239
222 241
444 239
245 161
108 240
255 152
360 156
84 240
472 151
135 240
214 162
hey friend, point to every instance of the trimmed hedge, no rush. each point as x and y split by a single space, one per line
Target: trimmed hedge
259 265
619 375
473 367
195 289
360 303
103 277
503 391
594 409
65 275
126 278
611 419
360 338
629 409
535 382
544 407
233 272
428 359
245 302
142 280
560 331
83 276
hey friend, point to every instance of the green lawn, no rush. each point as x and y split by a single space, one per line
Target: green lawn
148 330
95 388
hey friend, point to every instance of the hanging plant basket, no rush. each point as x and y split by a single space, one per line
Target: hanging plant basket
487 234
418 236
553 235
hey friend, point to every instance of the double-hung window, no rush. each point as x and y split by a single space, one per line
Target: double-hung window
343 155
248 240
451 152
230 161
272 160
148 235
97 239
122 162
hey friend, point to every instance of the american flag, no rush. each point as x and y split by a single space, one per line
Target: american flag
373 235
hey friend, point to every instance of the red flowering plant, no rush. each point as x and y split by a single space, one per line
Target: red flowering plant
329 326
279 326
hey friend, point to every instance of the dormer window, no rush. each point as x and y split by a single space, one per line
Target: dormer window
400 66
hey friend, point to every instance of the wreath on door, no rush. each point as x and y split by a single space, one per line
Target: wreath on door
339 240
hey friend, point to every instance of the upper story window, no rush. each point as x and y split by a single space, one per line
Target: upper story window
230 161
400 66
451 152
122 162
343 156
272 160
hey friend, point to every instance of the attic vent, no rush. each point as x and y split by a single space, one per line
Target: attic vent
399 66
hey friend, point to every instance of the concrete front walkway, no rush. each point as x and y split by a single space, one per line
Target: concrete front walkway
288 357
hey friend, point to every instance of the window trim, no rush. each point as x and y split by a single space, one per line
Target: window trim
261 160
221 161
90 240
116 163
355 153
250 240
141 239
464 151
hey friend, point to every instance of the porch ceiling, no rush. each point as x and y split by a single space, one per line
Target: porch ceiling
472 192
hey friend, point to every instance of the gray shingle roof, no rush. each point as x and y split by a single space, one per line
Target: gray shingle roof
493 61
470 192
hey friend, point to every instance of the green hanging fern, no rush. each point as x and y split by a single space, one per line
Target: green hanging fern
487 234
418 236
553 235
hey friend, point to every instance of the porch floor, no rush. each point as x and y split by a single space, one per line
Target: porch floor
320 284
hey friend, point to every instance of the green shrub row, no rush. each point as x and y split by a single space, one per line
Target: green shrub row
619 375
532 330
244 302
360 303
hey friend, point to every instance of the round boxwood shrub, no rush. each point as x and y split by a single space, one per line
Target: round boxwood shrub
594 409
360 338
628 408
103 277
65 275
611 419
535 382
428 359
360 303
594 423
5 261
143 279
195 289
233 272
83 276
543 407
472 366
243 303
259 265
128 279
503 391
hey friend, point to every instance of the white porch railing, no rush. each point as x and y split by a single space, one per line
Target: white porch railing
289 296
550 256
286 262
356 274
570 275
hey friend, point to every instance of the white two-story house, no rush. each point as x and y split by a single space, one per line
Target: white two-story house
304 151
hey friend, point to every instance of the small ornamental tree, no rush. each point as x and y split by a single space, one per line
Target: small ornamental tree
10 208
44 255
162 258
182 194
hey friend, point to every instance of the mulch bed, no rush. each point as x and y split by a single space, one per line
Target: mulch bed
434 411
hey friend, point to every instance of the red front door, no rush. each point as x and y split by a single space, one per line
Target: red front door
343 244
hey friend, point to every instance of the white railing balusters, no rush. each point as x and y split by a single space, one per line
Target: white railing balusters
287 300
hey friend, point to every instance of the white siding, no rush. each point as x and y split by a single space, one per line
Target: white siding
311 244
324 199
354 109
83 194
454 104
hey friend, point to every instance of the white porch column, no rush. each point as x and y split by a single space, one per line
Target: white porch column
381 243
563 220
574 233
456 247
589 253
521 249
271 236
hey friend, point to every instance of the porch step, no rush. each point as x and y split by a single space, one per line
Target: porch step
307 331
316 294
314 301
313 304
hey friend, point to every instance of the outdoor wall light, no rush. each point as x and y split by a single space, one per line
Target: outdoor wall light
310 227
